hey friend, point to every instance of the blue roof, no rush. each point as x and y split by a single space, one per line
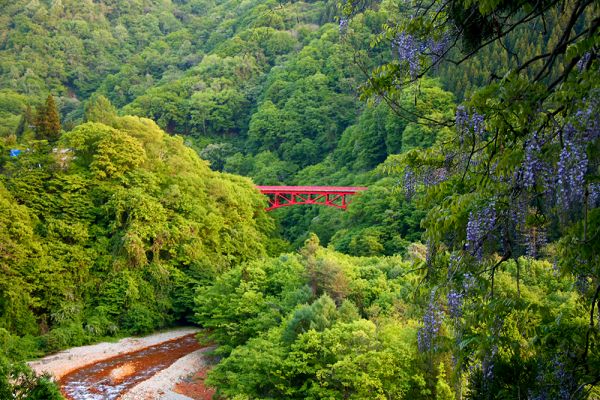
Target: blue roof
15 152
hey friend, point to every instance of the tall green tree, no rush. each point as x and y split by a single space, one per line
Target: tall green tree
47 121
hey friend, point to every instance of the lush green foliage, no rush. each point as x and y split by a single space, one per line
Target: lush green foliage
112 226
319 324
125 202
18 382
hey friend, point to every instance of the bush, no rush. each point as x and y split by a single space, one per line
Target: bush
139 320
18 381
65 336
18 348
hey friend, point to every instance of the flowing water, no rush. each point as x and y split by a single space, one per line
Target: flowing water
108 379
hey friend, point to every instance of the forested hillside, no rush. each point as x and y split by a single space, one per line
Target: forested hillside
109 229
132 134
262 89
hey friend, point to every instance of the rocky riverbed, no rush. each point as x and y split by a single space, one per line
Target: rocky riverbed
164 365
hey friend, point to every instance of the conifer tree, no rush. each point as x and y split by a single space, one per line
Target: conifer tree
47 122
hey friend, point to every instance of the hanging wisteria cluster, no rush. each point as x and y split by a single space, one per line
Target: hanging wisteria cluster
583 62
408 49
437 48
532 164
536 238
427 176
594 195
556 381
456 296
434 176
588 120
564 183
455 301
469 282
561 181
412 50
480 226
432 322
409 182
569 173
582 284
469 125
571 169
429 252
564 379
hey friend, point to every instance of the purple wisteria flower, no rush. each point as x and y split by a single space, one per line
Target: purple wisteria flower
487 366
518 212
430 252
479 227
555 379
432 322
469 124
437 48
532 164
427 176
412 50
435 176
564 378
455 301
535 240
408 50
588 119
477 124
469 282
583 61
571 169
461 118
582 284
456 297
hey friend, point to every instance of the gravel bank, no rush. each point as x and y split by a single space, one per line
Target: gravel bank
160 385
62 363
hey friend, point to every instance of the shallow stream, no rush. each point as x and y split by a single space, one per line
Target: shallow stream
108 379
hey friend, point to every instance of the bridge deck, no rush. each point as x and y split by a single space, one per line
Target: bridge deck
312 189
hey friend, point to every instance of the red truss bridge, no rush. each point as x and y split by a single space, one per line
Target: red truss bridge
285 196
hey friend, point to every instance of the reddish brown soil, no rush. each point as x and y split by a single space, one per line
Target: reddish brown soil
195 387
110 378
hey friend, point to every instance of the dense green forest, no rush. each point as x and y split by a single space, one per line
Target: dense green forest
133 133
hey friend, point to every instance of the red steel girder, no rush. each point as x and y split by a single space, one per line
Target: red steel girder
332 196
